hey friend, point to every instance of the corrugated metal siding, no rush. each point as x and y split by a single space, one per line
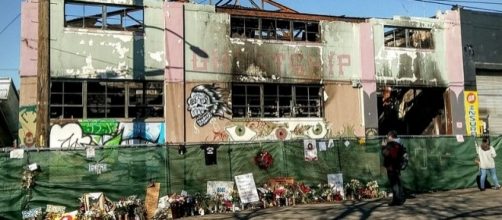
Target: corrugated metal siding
490 100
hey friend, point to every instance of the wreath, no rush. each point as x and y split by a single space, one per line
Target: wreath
264 160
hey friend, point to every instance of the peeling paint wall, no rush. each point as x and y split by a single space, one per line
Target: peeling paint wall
408 66
212 54
96 53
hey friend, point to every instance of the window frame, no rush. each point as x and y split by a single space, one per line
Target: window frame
104 16
291 109
112 90
234 33
408 41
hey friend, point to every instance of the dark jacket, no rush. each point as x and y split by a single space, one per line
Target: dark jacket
392 155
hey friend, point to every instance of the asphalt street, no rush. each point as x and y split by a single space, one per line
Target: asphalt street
455 204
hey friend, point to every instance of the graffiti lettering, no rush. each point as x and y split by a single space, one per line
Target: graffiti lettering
105 133
99 127
343 60
278 57
195 63
27 125
299 62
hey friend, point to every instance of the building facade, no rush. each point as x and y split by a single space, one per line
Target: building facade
125 72
482 64
9 103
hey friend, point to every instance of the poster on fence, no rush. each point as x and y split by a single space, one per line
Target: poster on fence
223 188
335 181
310 148
247 188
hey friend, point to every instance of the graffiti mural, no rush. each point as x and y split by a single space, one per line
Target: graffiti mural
265 130
107 132
206 102
27 125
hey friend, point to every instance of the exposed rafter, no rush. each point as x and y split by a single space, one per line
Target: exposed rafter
238 3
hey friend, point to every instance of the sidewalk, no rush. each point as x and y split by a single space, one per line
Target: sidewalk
455 204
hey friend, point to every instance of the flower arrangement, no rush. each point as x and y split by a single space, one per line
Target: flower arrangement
130 206
264 160
371 190
353 189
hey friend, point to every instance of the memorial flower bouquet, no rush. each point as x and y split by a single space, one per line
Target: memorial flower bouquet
353 188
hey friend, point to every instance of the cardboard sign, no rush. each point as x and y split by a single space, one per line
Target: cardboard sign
223 188
55 209
33 167
152 200
335 181
247 188
17 154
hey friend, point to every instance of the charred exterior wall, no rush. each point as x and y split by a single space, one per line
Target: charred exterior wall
214 60
410 66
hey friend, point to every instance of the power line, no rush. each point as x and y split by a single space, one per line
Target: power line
471 2
439 2
12 21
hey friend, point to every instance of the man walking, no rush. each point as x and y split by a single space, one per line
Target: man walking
393 153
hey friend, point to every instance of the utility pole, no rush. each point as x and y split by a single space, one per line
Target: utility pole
43 74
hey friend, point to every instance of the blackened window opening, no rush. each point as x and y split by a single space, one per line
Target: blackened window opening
276 101
274 29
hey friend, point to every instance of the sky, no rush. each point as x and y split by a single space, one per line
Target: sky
10 20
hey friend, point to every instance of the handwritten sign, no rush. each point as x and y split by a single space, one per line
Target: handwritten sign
223 188
247 188
152 200
335 181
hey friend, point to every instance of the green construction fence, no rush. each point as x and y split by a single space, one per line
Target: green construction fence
436 163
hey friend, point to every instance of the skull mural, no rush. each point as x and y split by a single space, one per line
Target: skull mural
205 102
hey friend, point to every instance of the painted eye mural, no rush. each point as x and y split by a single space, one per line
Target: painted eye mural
205 102
240 133
261 130
281 133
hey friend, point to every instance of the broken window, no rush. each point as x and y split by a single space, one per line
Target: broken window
299 29
106 99
66 100
100 16
274 29
313 32
407 37
283 30
146 100
276 100
268 29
